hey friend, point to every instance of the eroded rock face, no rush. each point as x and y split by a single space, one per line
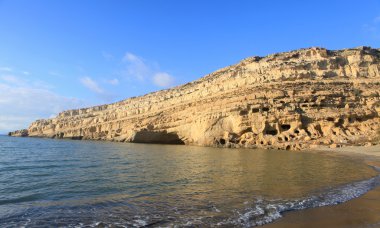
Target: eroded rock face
19 133
293 100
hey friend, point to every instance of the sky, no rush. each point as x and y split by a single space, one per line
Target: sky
59 55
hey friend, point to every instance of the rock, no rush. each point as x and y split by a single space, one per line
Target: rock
333 145
313 146
289 100
19 133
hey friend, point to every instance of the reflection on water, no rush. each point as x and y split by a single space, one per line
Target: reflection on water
47 182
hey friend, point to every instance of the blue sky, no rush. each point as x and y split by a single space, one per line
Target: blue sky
56 55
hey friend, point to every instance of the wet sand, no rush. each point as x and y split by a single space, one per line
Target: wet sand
360 212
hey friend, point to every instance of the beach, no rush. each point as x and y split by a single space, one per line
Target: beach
359 212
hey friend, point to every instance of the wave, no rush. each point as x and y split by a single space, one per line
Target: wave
257 213
266 211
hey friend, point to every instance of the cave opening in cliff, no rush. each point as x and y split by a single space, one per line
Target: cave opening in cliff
255 110
330 119
249 129
271 132
339 123
243 112
157 137
285 127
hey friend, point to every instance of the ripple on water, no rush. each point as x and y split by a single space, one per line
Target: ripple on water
93 184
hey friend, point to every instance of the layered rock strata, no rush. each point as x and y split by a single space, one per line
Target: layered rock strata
292 100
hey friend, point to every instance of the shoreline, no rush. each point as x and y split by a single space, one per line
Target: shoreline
363 211
373 150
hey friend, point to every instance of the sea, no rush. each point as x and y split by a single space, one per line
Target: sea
70 183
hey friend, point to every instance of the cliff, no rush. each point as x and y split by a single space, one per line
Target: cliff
292 100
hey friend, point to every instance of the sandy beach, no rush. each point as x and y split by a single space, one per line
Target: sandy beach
359 212
371 151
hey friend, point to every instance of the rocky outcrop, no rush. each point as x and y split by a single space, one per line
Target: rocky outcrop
19 133
292 100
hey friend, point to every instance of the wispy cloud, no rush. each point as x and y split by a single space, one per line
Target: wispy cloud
163 79
26 72
11 79
92 85
7 69
137 67
143 70
23 101
114 81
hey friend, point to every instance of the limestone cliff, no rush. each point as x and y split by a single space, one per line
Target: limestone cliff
291 100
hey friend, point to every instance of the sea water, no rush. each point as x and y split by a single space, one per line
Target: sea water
64 183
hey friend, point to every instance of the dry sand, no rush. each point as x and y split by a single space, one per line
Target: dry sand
359 212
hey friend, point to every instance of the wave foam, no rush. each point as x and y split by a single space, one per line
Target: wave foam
266 211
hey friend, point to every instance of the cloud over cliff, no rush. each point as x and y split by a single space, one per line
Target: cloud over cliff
24 100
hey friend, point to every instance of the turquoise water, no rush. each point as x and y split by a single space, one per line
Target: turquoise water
50 183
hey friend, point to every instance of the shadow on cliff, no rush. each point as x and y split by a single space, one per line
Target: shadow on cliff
158 137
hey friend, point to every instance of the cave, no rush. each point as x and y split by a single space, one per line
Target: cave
157 137
222 141
255 110
314 106
76 137
249 129
271 132
285 127
339 123
243 112
265 109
